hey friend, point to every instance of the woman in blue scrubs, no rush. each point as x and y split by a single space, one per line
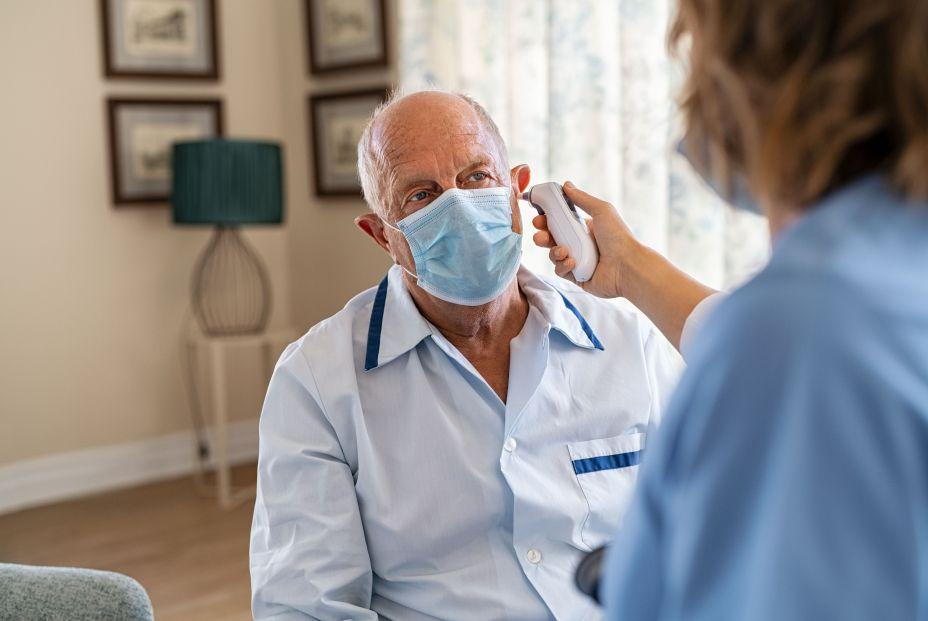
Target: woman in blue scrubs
790 479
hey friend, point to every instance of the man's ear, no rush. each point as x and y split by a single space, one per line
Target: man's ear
372 226
521 175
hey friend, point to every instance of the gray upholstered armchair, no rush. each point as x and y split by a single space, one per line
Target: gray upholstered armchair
29 593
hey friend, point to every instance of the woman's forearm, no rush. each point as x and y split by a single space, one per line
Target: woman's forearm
665 294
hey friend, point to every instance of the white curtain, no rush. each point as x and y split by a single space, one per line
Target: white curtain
582 90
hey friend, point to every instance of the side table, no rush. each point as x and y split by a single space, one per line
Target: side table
214 351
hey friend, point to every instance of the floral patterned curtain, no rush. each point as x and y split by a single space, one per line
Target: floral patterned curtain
583 90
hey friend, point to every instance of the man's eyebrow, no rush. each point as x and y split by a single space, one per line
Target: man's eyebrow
402 185
405 185
480 161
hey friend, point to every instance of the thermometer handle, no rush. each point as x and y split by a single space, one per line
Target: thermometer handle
566 226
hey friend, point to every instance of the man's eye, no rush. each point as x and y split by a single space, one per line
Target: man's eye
419 196
479 176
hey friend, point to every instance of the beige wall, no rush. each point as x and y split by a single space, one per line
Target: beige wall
330 259
93 297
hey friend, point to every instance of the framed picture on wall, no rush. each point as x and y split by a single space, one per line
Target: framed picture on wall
346 34
141 135
336 122
160 39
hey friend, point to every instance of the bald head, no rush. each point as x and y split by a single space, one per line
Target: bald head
431 136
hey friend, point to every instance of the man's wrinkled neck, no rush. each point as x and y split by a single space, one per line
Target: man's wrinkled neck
461 325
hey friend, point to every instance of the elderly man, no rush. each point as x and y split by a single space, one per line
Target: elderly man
451 443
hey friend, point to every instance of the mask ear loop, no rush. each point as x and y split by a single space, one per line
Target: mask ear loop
390 226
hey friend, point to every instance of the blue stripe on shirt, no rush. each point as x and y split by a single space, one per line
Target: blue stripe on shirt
606 462
583 324
376 325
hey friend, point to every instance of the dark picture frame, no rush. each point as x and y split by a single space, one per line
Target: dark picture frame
336 121
158 39
343 34
141 132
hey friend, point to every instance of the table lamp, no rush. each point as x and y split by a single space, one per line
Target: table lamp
228 183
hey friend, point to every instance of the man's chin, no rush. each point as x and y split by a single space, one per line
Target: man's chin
511 291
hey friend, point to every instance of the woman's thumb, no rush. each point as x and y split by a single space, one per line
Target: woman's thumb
587 202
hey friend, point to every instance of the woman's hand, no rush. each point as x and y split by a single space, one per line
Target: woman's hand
627 268
617 245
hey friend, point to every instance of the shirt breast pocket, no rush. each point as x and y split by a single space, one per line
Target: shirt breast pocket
606 472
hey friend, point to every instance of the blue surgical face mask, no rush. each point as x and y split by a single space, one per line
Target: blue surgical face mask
740 196
463 244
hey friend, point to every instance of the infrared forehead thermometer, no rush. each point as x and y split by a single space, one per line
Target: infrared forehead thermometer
566 226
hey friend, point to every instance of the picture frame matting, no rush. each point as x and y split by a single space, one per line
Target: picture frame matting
346 35
335 124
140 134
160 39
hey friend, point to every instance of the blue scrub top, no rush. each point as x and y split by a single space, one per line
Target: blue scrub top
790 479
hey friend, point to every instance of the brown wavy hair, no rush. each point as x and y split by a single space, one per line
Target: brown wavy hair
798 97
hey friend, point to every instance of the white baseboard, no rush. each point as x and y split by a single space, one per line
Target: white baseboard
81 473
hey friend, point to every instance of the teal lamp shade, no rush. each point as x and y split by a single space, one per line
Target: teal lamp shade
227 182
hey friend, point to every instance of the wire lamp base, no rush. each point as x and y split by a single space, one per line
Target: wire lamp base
231 288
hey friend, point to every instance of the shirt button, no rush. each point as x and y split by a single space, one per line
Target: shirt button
533 556
510 444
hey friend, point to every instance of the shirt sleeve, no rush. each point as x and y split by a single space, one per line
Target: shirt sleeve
308 556
777 488
697 320
664 367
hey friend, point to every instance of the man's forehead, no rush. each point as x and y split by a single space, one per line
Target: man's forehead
428 108
447 148
426 123
399 140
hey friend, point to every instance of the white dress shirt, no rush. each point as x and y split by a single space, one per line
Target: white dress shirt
395 484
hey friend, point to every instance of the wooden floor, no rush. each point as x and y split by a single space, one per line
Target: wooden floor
190 556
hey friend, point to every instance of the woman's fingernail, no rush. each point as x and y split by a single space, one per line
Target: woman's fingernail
569 184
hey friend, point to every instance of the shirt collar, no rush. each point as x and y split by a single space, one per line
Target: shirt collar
557 309
396 326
